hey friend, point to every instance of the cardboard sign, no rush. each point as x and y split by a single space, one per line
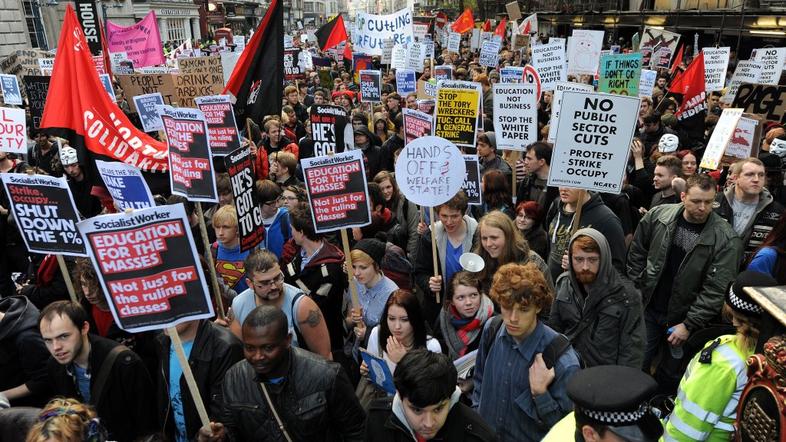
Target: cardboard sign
472 185
458 112
511 74
549 61
405 82
13 130
430 171
593 141
520 41
190 165
620 74
720 137
200 65
45 213
144 84
489 54
36 88
330 130
370 86
417 124
443 72
126 185
372 30
647 82
147 107
584 52
221 125
337 191
515 115
292 69
148 267
11 92
716 60
454 42
398 59
771 61
190 86
415 56
766 100
514 12
747 71
744 139
250 223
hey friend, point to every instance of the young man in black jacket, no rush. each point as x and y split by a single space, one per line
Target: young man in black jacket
23 378
426 405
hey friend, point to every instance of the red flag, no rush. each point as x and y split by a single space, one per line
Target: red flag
441 20
501 28
677 60
465 22
487 26
78 107
348 52
691 114
332 33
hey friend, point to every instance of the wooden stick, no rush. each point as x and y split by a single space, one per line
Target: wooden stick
190 381
210 263
353 290
577 215
514 156
67 277
434 248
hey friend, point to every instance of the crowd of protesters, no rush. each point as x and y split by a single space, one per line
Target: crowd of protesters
586 307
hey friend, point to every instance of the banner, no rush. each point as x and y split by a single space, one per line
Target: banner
457 114
771 61
372 30
716 146
37 89
405 82
87 13
472 185
647 82
147 107
330 130
716 61
584 52
141 41
191 168
13 130
747 71
620 74
430 171
45 213
549 61
556 101
417 124
443 72
148 267
337 191
766 100
489 54
126 185
593 141
221 125
292 69
515 115
11 92
250 224
370 86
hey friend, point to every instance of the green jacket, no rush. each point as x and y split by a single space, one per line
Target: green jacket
703 276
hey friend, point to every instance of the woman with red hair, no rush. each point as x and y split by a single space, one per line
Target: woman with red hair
528 220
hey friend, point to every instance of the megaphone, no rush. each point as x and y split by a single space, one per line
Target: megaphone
471 262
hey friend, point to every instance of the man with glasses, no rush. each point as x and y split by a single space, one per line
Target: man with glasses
599 311
266 287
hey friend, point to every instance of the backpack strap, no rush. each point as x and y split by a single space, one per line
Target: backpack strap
488 342
103 375
556 348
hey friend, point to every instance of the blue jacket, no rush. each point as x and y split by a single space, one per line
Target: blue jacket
278 233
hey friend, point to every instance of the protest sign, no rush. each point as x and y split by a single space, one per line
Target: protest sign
398 59
325 79
250 223
108 87
646 57
36 88
443 72
514 12
593 141
427 106
371 86
529 25
47 65
556 100
125 184
144 84
620 74
405 82
292 69
148 267
140 41
654 39
472 185
305 61
720 137
515 115
288 41
330 130
387 52
379 373
359 63
221 125
511 74
200 65
454 42
415 57
428 49
716 60
240 42
489 54
191 85
45 213
372 30
747 71
474 40
190 165
13 130
419 31
337 191
146 106
458 112
531 77
11 92
771 62
584 52
744 139
87 13
153 70
647 82
430 171
661 58
228 63
416 124
549 61
520 41
427 88
766 100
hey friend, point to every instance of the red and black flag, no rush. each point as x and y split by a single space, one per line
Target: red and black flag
693 110
258 78
332 33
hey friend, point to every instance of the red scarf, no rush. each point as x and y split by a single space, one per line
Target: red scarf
463 327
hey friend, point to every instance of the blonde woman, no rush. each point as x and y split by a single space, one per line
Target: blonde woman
374 288
67 420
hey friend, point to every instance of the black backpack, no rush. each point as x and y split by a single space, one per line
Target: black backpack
556 348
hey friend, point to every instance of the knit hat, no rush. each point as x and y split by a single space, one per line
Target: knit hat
373 248
739 300
492 139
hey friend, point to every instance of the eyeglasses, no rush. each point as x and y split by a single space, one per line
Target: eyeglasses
591 259
270 282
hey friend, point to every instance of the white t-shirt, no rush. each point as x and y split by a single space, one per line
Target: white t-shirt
373 347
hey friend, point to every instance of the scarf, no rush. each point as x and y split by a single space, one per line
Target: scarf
460 332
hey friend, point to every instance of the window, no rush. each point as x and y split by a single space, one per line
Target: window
176 29
35 27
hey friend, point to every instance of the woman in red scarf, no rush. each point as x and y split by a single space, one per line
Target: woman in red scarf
465 311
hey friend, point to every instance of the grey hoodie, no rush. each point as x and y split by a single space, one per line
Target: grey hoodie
398 410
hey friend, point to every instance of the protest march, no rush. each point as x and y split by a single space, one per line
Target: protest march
392 225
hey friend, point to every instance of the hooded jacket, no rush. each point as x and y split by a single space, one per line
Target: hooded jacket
23 354
603 320
764 218
372 153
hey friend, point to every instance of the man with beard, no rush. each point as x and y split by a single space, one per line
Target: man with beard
280 392
88 205
598 310
43 153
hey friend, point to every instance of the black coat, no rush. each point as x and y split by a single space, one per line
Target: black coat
126 403
23 354
215 350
